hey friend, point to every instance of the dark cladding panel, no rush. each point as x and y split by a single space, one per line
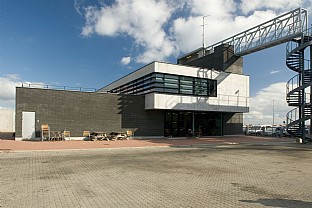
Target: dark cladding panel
232 123
222 59
80 111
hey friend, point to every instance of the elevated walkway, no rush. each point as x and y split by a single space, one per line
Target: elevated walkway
279 30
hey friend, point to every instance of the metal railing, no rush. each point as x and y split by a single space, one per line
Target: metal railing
220 100
56 87
291 45
273 32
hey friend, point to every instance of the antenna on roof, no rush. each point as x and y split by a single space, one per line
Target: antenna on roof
204 33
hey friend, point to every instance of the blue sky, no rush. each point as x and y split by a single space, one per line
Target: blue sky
82 43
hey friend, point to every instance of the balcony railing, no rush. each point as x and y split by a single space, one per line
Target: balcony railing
55 87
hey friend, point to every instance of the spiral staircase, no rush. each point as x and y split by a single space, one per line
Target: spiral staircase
298 93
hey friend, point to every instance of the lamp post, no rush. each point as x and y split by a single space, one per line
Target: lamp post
273 112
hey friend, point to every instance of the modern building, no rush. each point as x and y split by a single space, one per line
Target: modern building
201 95
205 93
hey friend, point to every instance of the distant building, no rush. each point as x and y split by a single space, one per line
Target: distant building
7 118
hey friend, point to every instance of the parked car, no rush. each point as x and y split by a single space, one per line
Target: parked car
257 129
285 132
270 131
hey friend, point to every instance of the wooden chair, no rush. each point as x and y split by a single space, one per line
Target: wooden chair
129 134
86 134
65 134
56 136
45 132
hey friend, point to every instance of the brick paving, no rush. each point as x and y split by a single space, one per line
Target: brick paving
11 145
215 172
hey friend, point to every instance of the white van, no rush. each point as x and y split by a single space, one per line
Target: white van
257 130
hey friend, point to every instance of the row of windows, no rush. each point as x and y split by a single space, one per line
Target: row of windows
168 83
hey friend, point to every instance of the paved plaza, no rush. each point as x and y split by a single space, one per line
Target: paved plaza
256 174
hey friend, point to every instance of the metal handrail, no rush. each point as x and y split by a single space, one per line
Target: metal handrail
284 27
56 87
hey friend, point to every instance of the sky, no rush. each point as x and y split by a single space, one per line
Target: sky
90 43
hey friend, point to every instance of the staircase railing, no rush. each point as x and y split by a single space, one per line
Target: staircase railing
298 88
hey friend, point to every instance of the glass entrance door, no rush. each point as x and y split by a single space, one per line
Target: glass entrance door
208 124
180 124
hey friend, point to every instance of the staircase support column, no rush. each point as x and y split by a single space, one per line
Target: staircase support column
310 68
302 96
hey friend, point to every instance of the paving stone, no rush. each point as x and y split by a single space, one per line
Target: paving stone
223 175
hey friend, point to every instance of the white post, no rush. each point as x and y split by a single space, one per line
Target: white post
273 112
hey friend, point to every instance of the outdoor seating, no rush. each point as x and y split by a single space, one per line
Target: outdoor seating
56 136
86 134
118 135
129 134
45 132
65 134
98 136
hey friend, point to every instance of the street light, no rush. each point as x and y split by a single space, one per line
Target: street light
273 111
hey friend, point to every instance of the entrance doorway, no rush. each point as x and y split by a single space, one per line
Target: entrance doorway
178 124
28 125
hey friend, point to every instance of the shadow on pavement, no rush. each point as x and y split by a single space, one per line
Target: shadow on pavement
286 203
7 135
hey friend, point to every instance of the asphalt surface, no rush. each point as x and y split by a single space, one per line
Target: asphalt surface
271 173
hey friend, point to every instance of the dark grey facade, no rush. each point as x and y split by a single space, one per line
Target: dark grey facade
223 59
79 111
232 123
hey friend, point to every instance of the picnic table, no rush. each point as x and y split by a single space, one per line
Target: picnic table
56 136
98 136
118 135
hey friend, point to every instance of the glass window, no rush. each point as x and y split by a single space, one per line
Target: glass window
168 83
189 92
171 90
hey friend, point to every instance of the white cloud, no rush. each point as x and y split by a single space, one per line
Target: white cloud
160 33
219 9
125 60
188 31
282 5
142 20
261 106
7 90
274 71
77 6
8 83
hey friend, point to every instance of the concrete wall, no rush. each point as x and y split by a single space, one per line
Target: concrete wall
79 111
232 89
232 94
7 120
222 103
192 71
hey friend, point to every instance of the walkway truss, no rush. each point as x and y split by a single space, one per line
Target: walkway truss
291 27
